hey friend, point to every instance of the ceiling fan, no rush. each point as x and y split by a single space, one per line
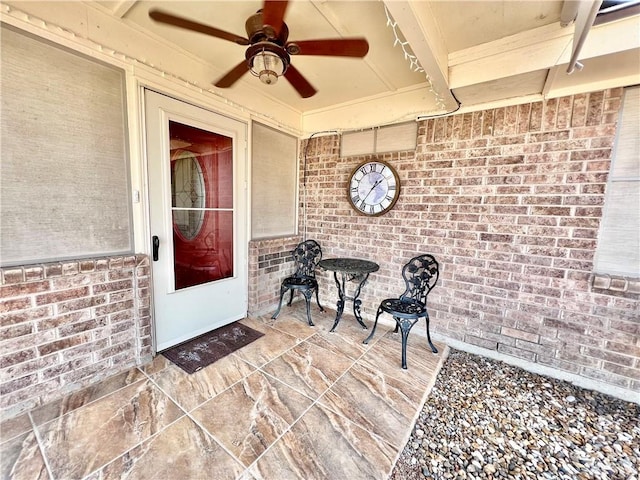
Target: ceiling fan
268 55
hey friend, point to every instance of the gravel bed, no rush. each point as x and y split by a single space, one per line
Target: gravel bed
488 419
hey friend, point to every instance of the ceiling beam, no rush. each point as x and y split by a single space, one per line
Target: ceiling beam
420 30
122 7
537 49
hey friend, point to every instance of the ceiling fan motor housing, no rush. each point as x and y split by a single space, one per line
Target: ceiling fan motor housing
257 31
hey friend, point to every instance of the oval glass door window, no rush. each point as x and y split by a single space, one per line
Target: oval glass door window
187 192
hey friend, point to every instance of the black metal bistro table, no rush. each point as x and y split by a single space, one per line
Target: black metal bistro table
350 269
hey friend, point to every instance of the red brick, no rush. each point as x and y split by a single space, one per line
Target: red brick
28 367
601 374
516 352
61 296
18 384
69 366
25 316
595 108
8 359
23 289
13 275
577 358
81 303
112 286
53 270
481 342
623 348
75 281
58 345
33 273
579 110
621 370
14 305
611 357
70 268
519 334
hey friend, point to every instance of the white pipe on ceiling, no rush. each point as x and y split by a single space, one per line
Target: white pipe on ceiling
587 12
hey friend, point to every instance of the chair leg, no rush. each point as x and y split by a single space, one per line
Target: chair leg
318 300
433 347
373 330
405 327
307 296
291 297
275 315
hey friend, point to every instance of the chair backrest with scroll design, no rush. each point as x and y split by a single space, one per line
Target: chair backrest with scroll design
306 256
420 276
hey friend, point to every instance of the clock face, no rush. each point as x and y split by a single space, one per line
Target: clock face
374 187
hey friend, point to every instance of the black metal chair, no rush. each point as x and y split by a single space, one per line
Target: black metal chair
306 256
420 276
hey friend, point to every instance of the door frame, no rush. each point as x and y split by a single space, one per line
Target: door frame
241 247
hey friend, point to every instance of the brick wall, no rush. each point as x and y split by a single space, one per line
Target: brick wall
67 325
509 201
270 261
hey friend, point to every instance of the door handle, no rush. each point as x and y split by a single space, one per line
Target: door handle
156 246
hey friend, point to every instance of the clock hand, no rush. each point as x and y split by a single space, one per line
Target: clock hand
372 188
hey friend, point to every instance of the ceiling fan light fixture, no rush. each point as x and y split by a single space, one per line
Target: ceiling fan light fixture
267 66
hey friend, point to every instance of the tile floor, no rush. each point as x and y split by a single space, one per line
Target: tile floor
298 403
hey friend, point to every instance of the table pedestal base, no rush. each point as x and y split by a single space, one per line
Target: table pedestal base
342 296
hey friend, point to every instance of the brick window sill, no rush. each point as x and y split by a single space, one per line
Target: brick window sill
615 283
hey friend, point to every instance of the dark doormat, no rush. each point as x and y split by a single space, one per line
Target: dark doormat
201 351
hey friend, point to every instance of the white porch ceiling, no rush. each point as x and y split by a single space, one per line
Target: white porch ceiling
487 52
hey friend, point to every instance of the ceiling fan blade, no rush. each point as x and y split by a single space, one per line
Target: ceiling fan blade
335 47
273 14
233 75
170 19
302 86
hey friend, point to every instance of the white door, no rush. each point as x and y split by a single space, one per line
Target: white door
198 211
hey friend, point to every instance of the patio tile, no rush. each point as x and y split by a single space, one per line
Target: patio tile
348 326
347 339
325 445
15 426
159 363
294 321
273 344
20 458
248 417
309 368
377 402
87 438
191 390
298 403
422 364
83 397
182 450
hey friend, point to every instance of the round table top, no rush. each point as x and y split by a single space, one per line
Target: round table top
349 265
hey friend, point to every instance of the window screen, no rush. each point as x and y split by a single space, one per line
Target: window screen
273 182
64 181
618 249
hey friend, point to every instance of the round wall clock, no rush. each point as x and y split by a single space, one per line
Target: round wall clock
374 188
